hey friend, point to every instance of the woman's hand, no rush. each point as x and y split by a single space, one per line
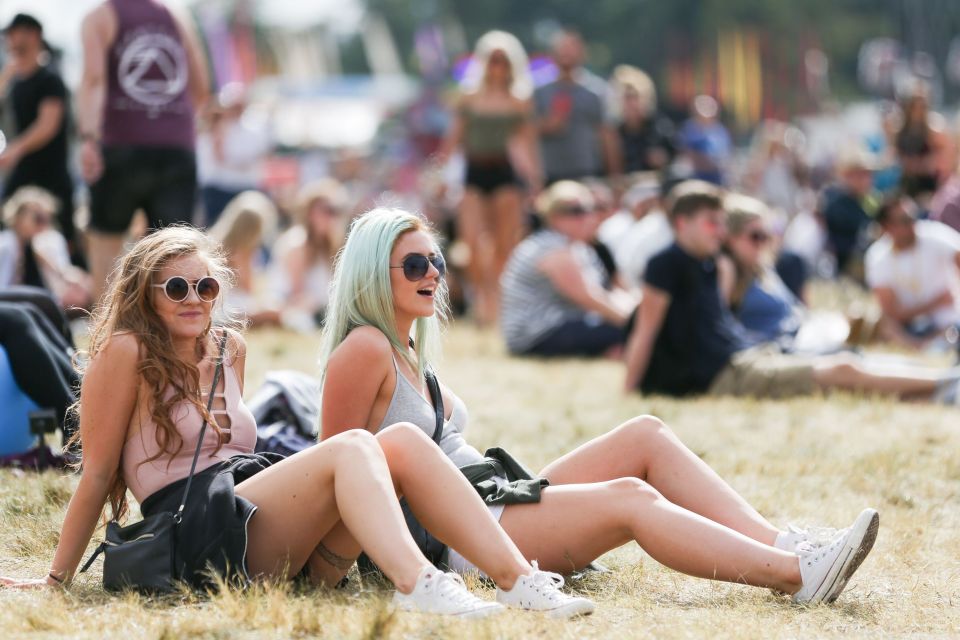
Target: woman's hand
28 583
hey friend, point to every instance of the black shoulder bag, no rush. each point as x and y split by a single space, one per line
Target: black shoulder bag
142 555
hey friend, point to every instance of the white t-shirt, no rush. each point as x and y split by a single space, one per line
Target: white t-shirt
49 245
920 273
634 242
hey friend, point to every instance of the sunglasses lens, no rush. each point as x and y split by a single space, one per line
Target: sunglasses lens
177 289
439 264
415 267
208 289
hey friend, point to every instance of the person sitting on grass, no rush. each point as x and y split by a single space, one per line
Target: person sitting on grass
152 356
687 341
34 253
553 299
755 292
914 272
636 483
241 228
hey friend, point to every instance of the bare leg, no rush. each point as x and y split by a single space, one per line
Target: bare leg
507 209
443 502
302 498
646 448
473 228
103 249
574 524
843 372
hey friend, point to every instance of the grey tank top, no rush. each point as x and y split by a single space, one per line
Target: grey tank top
408 405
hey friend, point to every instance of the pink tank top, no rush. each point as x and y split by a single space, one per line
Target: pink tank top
145 478
147 101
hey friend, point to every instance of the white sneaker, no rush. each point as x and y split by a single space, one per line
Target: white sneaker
825 570
445 594
795 539
540 591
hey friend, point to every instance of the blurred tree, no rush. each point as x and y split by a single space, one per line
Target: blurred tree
651 33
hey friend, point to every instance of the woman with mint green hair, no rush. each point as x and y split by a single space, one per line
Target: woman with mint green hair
637 482
371 302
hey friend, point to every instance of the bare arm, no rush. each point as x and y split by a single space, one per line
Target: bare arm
611 150
105 411
97 32
653 309
355 372
892 308
37 135
564 273
454 137
527 149
726 278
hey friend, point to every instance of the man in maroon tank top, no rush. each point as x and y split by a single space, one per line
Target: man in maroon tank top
144 77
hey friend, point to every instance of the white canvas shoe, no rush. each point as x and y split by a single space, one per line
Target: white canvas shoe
795 539
826 569
444 594
540 591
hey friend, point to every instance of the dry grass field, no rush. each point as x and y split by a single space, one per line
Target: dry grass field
810 461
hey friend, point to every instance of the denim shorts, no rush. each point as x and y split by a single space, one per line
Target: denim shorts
160 181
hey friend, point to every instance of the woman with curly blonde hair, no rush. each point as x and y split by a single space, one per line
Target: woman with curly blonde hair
153 358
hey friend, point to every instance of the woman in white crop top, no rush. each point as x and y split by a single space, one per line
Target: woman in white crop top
151 366
637 482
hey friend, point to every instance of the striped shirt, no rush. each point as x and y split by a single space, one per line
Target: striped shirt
530 305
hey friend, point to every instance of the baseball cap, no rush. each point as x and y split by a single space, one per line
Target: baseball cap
24 21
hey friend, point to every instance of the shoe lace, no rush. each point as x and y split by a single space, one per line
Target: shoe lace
810 554
813 536
547 583
450 586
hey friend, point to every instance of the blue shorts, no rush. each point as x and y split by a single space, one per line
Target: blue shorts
583 337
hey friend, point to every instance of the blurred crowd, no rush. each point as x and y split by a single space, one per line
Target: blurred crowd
556 196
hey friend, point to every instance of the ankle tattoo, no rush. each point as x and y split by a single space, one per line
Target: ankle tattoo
337 561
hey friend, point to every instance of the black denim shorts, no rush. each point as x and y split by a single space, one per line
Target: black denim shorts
161 181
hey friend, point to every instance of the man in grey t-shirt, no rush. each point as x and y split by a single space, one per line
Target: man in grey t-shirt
575 139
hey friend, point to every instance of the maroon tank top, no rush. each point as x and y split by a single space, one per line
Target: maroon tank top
147 101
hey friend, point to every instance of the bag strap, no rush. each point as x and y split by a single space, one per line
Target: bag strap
178 516
434 388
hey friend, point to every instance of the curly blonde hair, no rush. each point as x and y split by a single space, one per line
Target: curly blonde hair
127 306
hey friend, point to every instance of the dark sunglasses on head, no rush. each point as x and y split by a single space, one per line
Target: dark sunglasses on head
177 288
415 266
759 237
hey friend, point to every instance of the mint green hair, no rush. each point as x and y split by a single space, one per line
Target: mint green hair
361 294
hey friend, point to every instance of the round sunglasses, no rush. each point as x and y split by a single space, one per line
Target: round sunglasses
177 288
415 266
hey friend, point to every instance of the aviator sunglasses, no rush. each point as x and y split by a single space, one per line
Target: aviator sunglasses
415 266
177 288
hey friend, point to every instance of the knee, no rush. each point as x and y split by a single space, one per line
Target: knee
353 441
401 438
634 492
644 429
839 370
15 318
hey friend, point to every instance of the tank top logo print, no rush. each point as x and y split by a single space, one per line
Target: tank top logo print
152 69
